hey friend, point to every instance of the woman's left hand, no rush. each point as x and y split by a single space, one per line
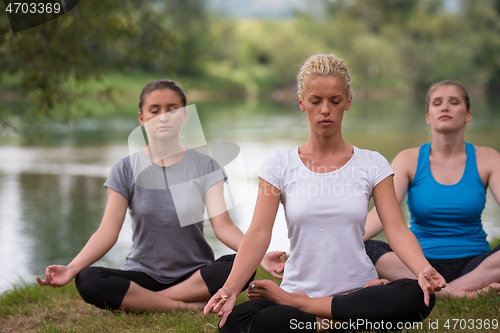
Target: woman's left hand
222 303
430 281
274 263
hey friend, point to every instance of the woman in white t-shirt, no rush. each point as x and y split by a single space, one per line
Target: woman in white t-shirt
325 186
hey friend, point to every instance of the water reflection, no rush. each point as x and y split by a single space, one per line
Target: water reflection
60 211
52 198
15 248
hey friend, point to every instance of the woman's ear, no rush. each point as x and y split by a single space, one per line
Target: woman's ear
348 105
186 116
468 116
301 105
140 118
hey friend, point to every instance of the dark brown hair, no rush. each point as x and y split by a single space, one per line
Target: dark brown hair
160 85
460 87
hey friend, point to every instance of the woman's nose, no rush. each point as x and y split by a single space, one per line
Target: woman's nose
325 110
163 117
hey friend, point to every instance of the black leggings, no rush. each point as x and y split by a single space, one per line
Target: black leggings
106 287
450 269
385 307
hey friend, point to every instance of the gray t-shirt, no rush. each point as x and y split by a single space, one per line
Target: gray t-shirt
159 197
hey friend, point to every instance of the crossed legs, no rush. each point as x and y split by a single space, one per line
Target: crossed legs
484 278
191 294
272 309
135 291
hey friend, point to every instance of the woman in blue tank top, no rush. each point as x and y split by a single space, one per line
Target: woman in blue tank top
445 182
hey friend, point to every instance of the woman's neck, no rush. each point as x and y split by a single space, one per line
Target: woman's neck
326 145
448 144
325 154
165 153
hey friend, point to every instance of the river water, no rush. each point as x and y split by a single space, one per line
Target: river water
51 175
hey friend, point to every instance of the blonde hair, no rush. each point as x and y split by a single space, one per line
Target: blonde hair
458 85
323 65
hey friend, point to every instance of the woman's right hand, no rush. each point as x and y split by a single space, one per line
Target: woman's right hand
431 282
222 303
57 276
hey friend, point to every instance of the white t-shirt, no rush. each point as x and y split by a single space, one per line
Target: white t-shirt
325 215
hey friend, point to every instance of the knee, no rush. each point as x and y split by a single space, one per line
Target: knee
231 325
240 319
243 316
87 282
493 261
99 286
414 299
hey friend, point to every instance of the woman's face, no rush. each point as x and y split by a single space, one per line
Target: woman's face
163 114
447 110
325 100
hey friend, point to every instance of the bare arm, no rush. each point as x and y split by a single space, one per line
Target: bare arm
229 234
488 163
402 240
97 246
404 167
224 228
252 250
494 181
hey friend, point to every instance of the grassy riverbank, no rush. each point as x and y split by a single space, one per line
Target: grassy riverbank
31 308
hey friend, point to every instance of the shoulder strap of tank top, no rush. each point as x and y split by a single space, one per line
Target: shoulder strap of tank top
423 161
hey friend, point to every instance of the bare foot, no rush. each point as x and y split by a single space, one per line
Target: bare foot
453 292
495 286
376 282
267 289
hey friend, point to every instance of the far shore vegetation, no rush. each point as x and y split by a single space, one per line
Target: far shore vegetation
63 70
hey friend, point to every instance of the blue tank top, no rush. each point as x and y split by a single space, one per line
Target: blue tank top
446 219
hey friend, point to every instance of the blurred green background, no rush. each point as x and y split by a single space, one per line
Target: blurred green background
70 67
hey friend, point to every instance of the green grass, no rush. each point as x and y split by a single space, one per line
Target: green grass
494 243
31 308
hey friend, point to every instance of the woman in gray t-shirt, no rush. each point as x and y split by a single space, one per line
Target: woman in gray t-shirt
165 187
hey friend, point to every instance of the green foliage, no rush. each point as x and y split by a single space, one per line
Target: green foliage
428 43
188 22
395 45
389 46
48 64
